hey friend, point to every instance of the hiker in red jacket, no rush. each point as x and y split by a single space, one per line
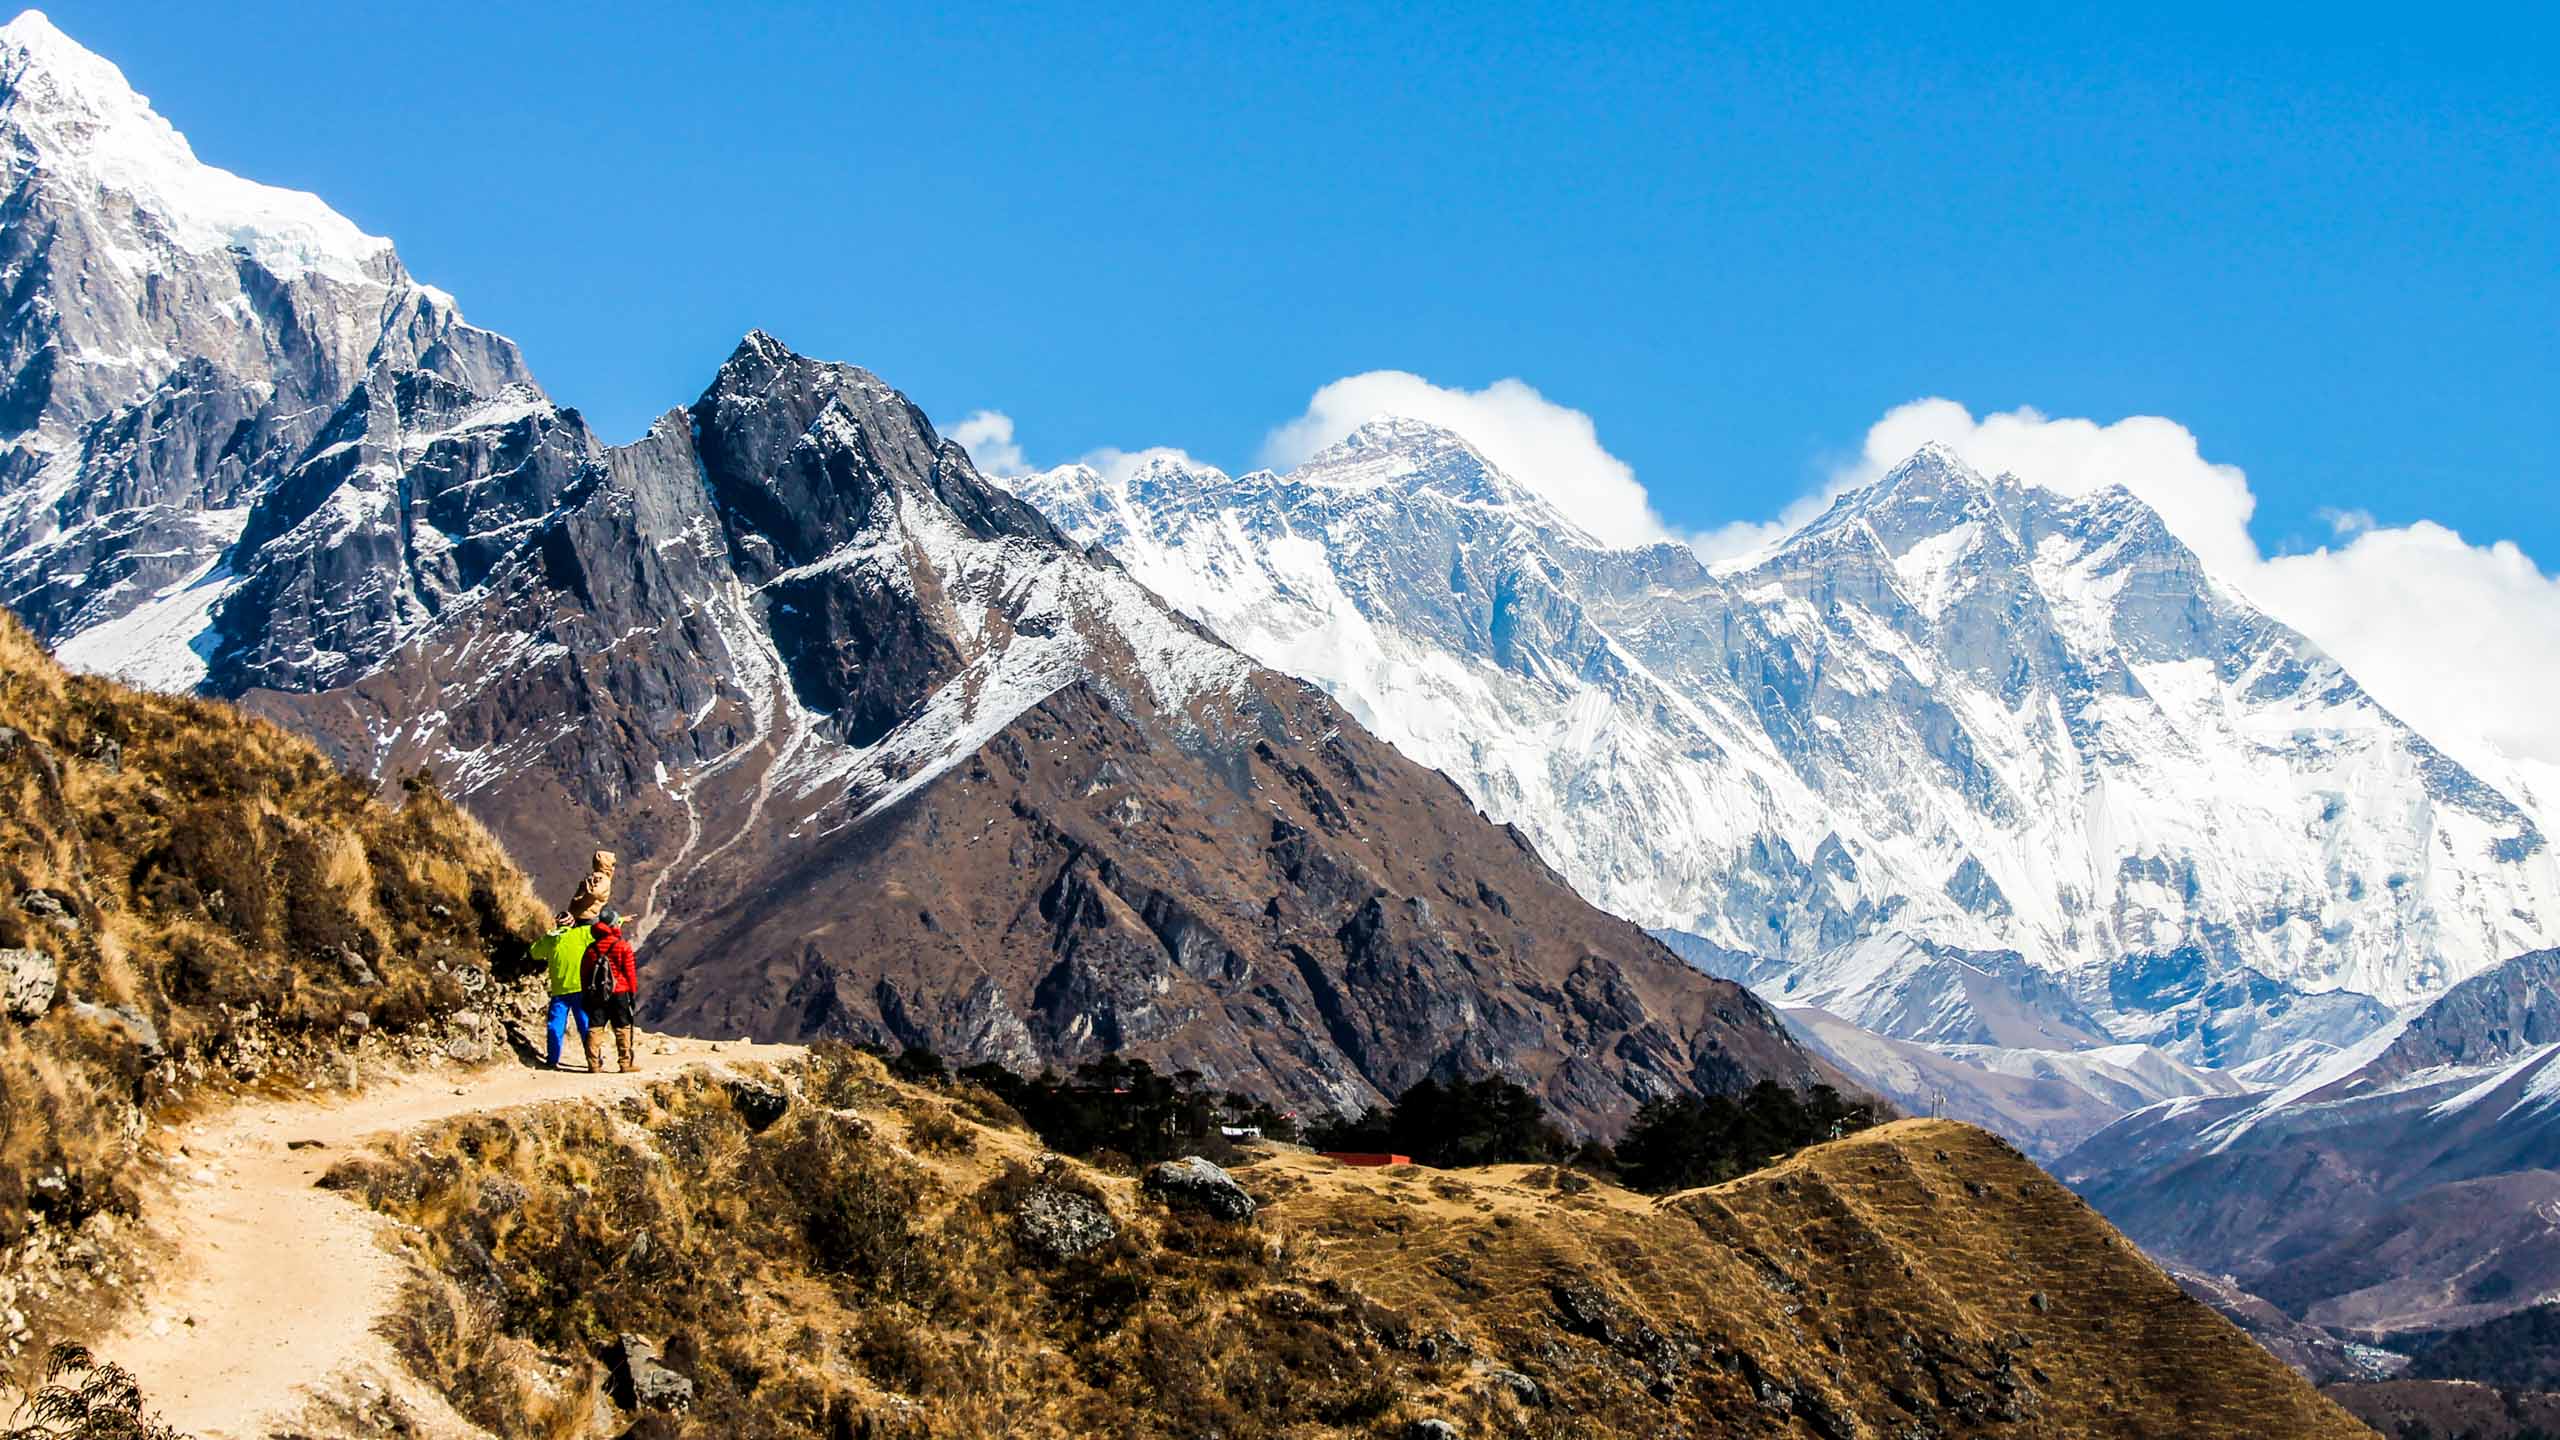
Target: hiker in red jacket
624 965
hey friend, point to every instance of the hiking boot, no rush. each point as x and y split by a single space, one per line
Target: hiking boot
595 1054
629 1052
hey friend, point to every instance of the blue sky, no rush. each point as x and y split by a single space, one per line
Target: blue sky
2326 242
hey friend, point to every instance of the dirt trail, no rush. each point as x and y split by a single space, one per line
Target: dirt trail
270 1289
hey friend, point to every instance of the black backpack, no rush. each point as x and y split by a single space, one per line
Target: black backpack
598 977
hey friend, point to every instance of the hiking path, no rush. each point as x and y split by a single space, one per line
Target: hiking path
269 1292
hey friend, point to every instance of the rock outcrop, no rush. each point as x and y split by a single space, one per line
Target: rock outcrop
1192 1183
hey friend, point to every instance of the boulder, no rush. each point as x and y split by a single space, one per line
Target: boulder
1058 1224
1192 1183
471 1036
1522 1388
500 1195
28 981
48 907
653 1385
1433 1429
758 1103
132 1023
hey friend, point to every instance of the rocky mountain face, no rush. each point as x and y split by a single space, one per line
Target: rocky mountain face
2403 1184
176 339
1961 740
885 753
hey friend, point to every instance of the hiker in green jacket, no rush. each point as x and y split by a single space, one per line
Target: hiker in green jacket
563 953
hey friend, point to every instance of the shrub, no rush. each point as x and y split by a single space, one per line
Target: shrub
84 1399
918 1066
935 1130
1119 1107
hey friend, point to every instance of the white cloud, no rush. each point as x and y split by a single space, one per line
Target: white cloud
2460 640
988 437
1551 448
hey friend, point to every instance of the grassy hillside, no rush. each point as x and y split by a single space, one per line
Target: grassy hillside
886 1259
193 904
190 902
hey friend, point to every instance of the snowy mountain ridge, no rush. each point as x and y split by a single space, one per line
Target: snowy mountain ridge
75 114
181 336
1954 713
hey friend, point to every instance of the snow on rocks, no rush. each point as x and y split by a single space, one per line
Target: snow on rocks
1980 715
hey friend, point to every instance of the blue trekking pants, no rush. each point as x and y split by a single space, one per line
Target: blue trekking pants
565 1008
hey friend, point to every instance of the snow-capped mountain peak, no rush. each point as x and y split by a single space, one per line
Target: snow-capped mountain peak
1930 495
2013 723
1392 449
1933 470
71 112
1400 456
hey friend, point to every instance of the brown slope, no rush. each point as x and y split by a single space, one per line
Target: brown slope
1275 899
1918 1280
2454 1409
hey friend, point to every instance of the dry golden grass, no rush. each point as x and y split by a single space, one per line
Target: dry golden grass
852 1270
230 888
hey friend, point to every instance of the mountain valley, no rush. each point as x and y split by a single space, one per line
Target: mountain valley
1993 800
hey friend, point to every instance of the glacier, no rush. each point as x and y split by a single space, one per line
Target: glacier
1963 759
